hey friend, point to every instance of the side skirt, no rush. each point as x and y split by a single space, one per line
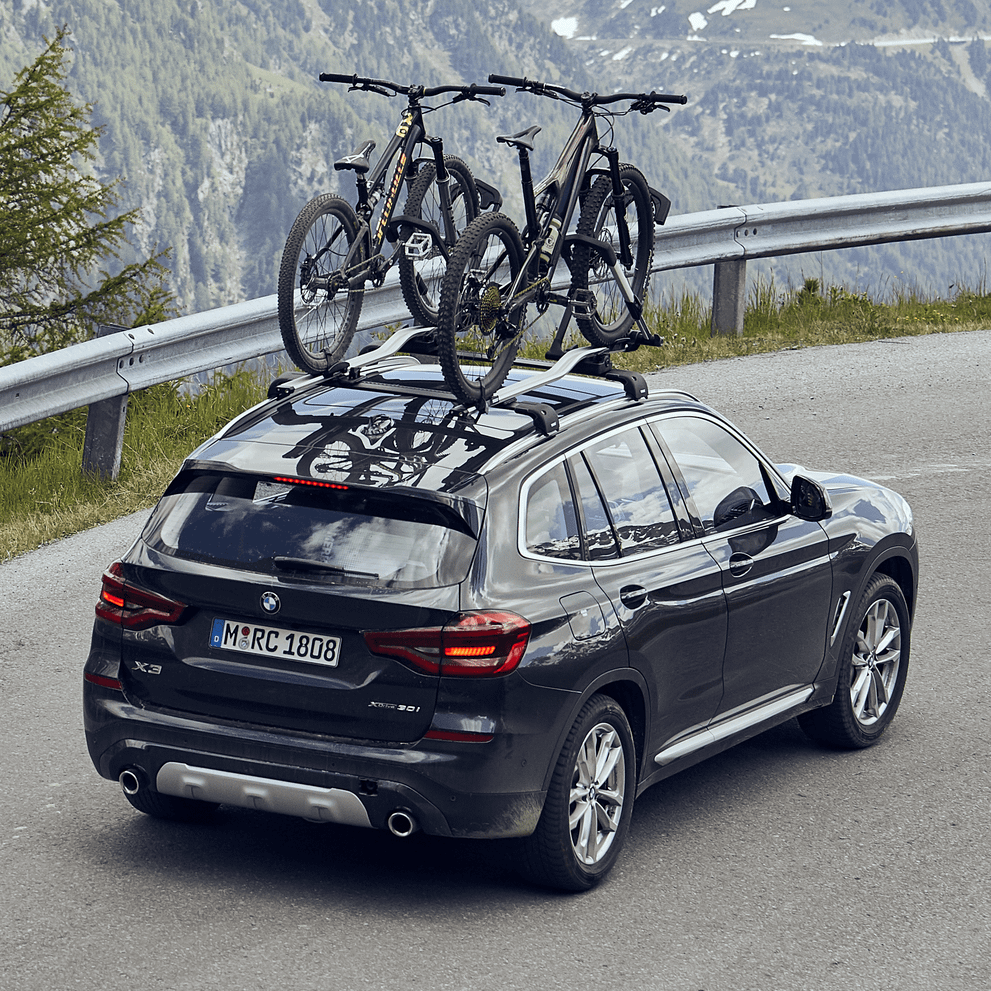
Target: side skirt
715 732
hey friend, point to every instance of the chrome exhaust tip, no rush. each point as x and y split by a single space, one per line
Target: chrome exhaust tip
401 824
130 781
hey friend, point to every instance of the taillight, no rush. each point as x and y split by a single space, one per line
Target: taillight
134 608
472 645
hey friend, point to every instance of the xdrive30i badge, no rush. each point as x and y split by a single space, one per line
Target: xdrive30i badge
270 602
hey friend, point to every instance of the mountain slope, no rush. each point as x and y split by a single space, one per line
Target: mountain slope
214 117
803 98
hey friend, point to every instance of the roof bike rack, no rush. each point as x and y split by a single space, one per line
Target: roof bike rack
591 360
416 340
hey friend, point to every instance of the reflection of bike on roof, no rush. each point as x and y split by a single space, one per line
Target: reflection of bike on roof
372 447
334 250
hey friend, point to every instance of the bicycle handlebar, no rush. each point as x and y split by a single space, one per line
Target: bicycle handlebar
646 100
472 92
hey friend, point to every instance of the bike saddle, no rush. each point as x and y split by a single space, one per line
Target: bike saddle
357 161
522 140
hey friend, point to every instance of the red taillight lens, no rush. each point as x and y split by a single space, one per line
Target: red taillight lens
103 681
134 608
472 645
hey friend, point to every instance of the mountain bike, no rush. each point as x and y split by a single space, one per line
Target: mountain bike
334 250
495 272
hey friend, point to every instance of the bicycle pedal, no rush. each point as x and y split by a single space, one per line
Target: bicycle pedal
418 245
583 302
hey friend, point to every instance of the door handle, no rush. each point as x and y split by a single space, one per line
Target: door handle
633 596
740 564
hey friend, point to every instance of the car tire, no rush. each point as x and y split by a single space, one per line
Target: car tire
171 807
873 668
586 815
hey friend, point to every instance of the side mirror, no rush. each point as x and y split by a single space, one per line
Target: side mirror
809 500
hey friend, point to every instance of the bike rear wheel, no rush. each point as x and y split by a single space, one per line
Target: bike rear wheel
478 332
421 277
317 318
611 319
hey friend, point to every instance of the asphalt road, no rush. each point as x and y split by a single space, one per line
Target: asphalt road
776 865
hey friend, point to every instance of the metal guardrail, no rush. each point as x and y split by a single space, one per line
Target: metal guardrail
124 362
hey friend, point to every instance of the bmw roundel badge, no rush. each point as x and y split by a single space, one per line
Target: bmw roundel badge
270 602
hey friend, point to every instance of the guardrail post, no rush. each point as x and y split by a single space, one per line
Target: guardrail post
729 293
729 296
105 421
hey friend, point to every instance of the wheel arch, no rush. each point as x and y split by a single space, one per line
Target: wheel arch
899 568
628 689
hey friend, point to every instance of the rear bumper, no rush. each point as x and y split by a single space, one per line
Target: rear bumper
478 790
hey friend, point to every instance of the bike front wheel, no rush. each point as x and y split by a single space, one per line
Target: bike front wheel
479 327
421 275
318 309
611 319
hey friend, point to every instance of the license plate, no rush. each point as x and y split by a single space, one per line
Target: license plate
270 641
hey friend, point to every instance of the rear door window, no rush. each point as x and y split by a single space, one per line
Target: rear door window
332 533
633 491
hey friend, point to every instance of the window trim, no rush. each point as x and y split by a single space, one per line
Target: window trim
663 470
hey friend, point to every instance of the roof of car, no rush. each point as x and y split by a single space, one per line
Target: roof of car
400 428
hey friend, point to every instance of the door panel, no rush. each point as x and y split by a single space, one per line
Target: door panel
778 582
776 571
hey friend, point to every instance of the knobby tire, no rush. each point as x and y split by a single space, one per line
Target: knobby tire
478 336
317 326
612 319
421 278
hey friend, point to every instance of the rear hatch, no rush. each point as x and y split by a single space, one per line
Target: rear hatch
281 577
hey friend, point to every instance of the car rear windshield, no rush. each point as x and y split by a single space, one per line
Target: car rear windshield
329 533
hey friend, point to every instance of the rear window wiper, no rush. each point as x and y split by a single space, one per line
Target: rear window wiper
286 563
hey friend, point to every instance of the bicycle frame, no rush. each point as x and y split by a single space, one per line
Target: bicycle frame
368 243
557 195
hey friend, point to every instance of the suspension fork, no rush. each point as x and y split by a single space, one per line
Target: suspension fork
443 179
620 199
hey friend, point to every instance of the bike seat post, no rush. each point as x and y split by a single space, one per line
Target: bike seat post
362 188
526 182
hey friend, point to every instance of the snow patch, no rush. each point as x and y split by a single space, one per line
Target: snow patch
622 53
805 39
565 26
697 21
728 6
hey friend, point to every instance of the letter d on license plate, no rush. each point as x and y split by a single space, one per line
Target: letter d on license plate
271 641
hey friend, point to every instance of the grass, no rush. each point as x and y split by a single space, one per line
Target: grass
44 495
807 317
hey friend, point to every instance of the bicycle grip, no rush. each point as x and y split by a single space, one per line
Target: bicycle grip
339 77
494 77
489 90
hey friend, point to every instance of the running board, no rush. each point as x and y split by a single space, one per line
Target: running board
713 734
267 794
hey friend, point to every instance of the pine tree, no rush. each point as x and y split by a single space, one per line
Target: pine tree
57 226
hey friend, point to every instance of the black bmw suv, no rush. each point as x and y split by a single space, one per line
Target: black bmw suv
361 603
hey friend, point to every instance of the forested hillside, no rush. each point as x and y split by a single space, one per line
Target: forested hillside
213 116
